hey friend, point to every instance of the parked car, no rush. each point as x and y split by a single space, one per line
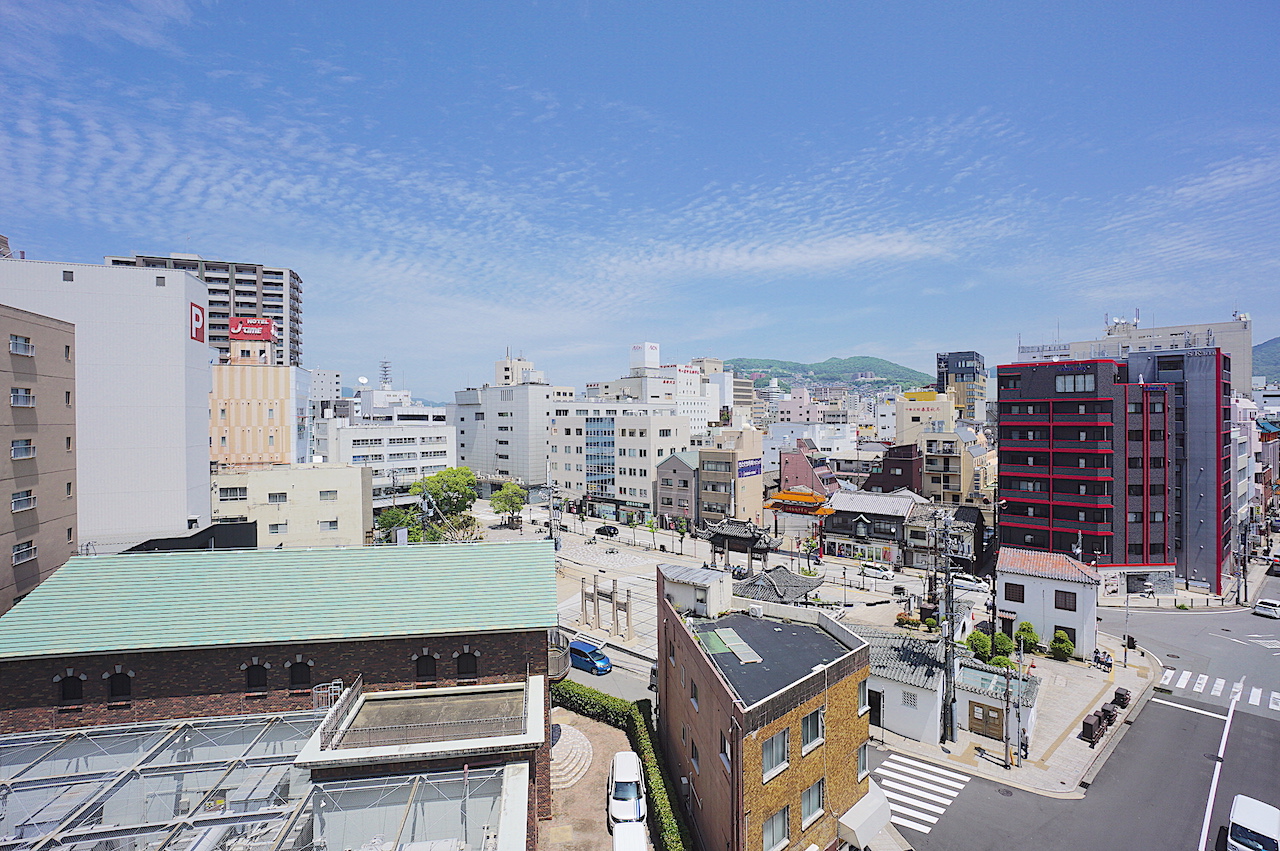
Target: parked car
589 658
607 530
1273 566
625 800
1254 825
968 582
631 836
874 572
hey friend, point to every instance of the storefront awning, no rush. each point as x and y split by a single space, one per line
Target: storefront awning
865 819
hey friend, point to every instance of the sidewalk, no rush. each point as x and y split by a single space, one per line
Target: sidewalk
1059 759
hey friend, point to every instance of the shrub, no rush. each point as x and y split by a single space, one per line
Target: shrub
667 827
1003 645
1001 662
980 644
1061 646
1027 635
930 624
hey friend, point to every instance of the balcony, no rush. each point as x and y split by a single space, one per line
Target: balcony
22 503
19 347
1007 519
1103 445
938 468
1082 525
19 452
1082 498
24 555
1086 419
22 400
1083 472
1010 443
1016 469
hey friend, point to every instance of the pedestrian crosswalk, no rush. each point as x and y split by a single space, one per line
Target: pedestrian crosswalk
1206 686
918 792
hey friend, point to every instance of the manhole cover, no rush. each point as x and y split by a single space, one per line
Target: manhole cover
1008 793
1173 655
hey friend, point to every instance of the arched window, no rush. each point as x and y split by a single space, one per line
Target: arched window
468 666
71 689
255 678
299 675
425 667
119 686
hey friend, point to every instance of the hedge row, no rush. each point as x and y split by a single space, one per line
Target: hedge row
667 826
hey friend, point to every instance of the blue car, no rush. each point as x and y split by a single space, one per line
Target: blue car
589 658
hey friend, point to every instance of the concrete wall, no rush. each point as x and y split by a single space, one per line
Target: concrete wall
303 519
923 722
142 419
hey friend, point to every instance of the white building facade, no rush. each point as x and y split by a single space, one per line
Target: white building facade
142 381
397 453
298 505
1051 591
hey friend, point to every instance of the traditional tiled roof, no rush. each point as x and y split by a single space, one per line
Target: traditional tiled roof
914 660
776 585
744 529
896 504
1045 565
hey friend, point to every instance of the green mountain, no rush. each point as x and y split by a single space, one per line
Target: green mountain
1266 359
832 370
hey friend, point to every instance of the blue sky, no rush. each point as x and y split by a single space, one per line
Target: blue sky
791 180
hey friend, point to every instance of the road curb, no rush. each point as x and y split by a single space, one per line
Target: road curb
1095 767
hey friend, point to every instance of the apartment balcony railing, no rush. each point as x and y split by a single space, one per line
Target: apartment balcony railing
22 503
20 556
22 400
1083 472
17 453
17 347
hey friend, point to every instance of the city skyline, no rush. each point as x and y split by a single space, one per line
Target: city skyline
564 180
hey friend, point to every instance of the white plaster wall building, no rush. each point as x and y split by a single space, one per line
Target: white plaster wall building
1052 591
298 505
397 453
503 430
142 381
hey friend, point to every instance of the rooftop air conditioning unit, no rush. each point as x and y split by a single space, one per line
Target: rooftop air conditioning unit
755 611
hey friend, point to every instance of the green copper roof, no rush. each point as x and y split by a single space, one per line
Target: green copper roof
152 601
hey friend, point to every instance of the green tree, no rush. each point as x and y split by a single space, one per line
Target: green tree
1003 645
1001 662
509 501
980 644
394 518
1061 646
451 491
652 525
1027 635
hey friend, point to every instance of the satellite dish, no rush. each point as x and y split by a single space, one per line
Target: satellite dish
363 380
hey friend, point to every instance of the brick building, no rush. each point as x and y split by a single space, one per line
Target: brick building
137 638
764 724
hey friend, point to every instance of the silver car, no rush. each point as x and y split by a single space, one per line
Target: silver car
968 582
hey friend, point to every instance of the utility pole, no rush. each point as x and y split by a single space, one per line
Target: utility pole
1017 707
949 642
1008 760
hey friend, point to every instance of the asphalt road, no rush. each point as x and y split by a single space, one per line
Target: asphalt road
1152 793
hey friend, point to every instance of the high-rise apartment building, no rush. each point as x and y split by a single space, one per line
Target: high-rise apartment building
964 374
38 471
1125 463
142 381
240 291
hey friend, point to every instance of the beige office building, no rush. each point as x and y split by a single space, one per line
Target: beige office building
39 471
259 414
298 505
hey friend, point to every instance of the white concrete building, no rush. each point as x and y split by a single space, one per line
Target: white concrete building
326 385
143 382
1052 591
398 453
604 455
649 380
503 430
825 438
298 505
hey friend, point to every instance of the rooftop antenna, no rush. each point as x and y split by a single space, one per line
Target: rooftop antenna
384 377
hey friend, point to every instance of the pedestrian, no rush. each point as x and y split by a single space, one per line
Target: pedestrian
1025 742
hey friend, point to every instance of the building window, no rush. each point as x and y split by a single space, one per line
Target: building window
693 756
812 730
328 525
119 686
811 804
71 688
1015 592
19 449
278 528
864 704
1065 600
277 498
232 494
21 346
255 677
300 675
773 755
863 767
1078 383
468 666
1070 632
68 275
724 751
22 501
21 397
776 834
693 693
24 552
424 667
909 699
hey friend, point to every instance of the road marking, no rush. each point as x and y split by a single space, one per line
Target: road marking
915 788
1183 680
910 813
1236 690
955 775
1270 643
901 822
933 808
1168 676
1262 635
1188 708
1255 696
1217 686
1217 770
924 774
1274 703
1200 683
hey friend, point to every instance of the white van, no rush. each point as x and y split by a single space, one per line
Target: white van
625 799
630 836
1255 826
1267 608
